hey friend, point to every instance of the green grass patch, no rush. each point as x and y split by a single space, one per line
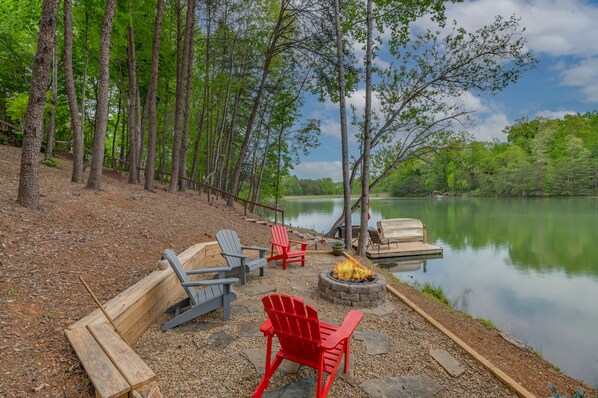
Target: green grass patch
51 162
488 323
436 293
48 315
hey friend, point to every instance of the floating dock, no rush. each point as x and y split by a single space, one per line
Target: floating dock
400 249
407 237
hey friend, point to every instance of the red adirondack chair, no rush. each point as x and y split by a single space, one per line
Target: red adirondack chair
282 246
305 339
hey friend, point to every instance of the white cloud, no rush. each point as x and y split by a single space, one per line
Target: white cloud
320 169
584 75
553 27
331 128
357 99
491 127
554 114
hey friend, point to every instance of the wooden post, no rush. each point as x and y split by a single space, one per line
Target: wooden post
100 306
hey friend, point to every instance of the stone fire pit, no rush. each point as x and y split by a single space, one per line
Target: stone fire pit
356 294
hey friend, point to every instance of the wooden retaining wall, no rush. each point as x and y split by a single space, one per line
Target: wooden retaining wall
113 367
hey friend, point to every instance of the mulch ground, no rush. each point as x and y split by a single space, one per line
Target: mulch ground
113 238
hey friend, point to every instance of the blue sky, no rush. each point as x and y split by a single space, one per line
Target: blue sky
562 34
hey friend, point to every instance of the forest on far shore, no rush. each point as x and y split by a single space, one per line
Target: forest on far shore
541 157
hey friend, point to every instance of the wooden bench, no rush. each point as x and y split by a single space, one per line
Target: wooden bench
403 230
113 367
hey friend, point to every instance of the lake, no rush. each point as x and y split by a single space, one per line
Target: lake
528 265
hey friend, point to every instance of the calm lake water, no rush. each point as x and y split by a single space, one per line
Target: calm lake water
528 265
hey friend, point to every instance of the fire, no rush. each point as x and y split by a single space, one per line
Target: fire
350 270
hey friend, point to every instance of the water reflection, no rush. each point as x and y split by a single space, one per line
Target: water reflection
530 266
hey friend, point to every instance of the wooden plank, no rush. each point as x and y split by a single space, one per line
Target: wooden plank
133 369
512 384
150 390
158 285
401 249
106 378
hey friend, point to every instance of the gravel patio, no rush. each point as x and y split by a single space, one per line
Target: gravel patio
390 351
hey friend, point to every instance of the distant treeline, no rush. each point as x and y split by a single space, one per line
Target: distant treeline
541 157
294 186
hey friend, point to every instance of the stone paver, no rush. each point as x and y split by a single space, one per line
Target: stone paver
305 388
449 363
247 306
220 339
298 286
382 310
513 340
249 329
402 387
196 326
256 290
257 356
375 343
349 377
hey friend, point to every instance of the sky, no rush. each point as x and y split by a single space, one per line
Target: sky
561 34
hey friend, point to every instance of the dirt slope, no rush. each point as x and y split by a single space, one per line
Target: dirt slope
111 238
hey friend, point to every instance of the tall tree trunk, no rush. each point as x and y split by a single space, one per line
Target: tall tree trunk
123 139
196 146
187 110
262 168
28 195
343 119
141 120
179 103
133 105
52 127
277 32
116 130
220 166
365 166
101 117
150 157
83 87
164 130
231 141
77 175
278 167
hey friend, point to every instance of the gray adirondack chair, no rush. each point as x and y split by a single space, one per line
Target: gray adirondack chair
216 293
232 251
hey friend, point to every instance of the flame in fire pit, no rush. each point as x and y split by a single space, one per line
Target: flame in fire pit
352 271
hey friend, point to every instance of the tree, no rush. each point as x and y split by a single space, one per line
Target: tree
293 30
151 141
420 111
54 101
28 194
366 143
101 118
343 120
77 175
134 111
181 85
